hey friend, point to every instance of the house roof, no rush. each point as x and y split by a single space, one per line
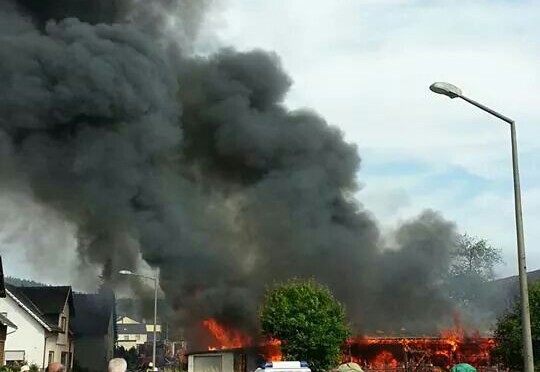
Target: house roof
50 300
93 314
30 299
131 329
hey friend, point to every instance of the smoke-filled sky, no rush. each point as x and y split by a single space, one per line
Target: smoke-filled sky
366 66
159 133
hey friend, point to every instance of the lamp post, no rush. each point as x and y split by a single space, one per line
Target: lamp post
454 92
155 279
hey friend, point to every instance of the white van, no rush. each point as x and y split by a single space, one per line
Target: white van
284 367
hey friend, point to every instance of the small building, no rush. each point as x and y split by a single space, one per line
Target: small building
94 329
43 317
230 360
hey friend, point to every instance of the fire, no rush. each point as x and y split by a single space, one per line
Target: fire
230 338
384 360
226 338
272 350
451 347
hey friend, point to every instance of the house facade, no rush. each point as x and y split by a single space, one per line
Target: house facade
94 329
133 334
42 316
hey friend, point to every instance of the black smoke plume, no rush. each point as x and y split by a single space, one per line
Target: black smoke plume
197 166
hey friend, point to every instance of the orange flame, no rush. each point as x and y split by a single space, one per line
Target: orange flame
272 350
226 338
230 338
384 360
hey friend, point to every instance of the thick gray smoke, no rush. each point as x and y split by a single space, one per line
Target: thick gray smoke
196 164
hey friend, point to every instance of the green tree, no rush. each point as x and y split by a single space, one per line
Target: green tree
472 267
508 333
308 320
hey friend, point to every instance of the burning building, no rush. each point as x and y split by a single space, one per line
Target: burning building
236 352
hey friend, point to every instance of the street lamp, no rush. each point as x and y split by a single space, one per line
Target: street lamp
155 279
454 92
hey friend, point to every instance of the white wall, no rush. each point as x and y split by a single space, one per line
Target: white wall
29 336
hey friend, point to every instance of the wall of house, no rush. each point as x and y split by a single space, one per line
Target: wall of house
29 336
61 342
63 338
58 348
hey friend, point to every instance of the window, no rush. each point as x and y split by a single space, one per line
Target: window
15 356
126 337
63 324
51 357
64 359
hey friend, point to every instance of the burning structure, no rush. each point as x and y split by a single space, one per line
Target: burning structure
450 347
195 165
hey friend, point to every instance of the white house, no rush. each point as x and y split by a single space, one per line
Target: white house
132 333
42 316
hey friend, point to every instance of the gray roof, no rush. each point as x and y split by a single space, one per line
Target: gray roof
131 329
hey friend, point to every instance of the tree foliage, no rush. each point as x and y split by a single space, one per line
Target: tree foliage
508 333
475 257
472 267
307 319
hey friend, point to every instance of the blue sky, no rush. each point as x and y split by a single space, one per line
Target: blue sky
366 66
